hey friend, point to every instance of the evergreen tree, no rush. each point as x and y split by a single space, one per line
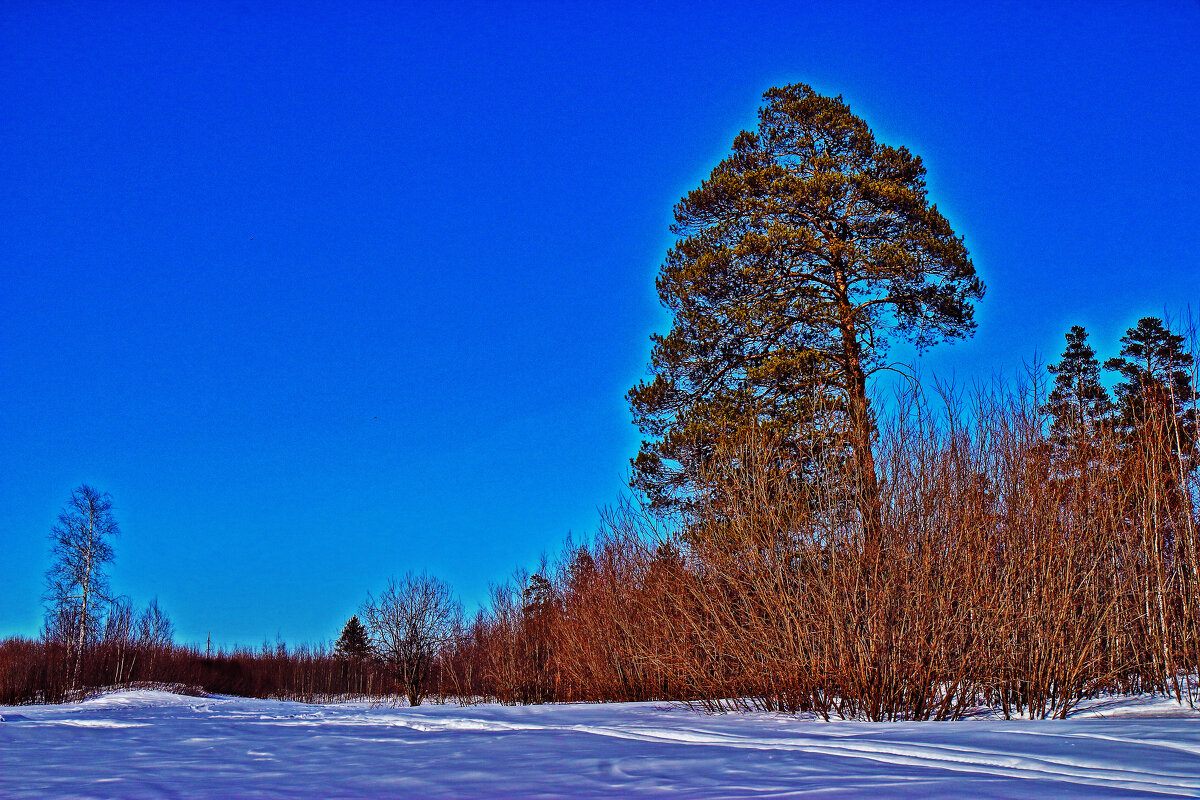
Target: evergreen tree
805 251
1079 402
1156 385
1157 419
581 571
354 644
538 612
537 597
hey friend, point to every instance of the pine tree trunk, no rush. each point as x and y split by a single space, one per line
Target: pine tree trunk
862 427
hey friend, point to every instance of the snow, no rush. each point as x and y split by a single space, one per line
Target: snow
152 744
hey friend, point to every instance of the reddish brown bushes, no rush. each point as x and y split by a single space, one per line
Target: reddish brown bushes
1012 571
35 671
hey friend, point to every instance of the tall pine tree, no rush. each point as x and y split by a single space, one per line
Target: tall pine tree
807 249
1156 385
1157 419
1078 403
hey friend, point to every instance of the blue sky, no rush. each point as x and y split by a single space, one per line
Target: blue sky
327 294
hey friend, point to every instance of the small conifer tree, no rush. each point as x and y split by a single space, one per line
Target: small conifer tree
353 644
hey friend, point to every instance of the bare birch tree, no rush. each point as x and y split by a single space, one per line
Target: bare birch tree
118 637
77 581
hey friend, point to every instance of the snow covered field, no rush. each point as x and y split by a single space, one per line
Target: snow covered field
154 744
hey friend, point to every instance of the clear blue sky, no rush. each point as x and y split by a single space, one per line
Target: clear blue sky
326 292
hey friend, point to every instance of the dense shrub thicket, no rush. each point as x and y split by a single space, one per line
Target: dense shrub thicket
1026 562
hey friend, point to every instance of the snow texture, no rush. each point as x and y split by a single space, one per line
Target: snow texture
152 744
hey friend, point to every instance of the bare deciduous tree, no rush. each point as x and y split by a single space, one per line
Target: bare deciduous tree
77 581
154 627
118 636
154 634
409 623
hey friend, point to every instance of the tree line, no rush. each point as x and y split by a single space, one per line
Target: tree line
1037 547
92 638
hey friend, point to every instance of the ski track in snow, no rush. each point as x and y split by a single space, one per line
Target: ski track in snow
150 744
